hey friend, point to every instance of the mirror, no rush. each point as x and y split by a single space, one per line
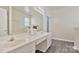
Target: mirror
37 20
20 20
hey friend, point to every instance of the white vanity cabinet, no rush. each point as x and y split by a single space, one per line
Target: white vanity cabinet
23 44
76 38
49 40
42 46
43 43
27 48
38 41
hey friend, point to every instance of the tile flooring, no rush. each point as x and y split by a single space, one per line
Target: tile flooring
60 47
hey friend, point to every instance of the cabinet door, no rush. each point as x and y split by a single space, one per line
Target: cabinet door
3 22
49 41
28 48
42 46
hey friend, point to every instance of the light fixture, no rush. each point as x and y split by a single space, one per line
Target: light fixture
39 9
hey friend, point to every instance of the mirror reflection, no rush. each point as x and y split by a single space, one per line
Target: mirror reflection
21 20
18 20
37 20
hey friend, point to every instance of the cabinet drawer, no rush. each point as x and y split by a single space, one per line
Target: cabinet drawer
40 40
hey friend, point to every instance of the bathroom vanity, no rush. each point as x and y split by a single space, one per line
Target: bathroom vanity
27 31
25 43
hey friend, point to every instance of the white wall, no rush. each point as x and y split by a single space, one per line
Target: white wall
64 22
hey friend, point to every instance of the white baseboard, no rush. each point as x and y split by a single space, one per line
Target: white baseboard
75 48
62 39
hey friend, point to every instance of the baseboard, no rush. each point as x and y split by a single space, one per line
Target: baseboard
75 48
55 38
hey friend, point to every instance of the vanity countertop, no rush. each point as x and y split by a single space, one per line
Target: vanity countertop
20 40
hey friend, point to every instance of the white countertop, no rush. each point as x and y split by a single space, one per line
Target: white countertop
23 39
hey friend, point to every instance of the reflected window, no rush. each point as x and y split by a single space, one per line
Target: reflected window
26 21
